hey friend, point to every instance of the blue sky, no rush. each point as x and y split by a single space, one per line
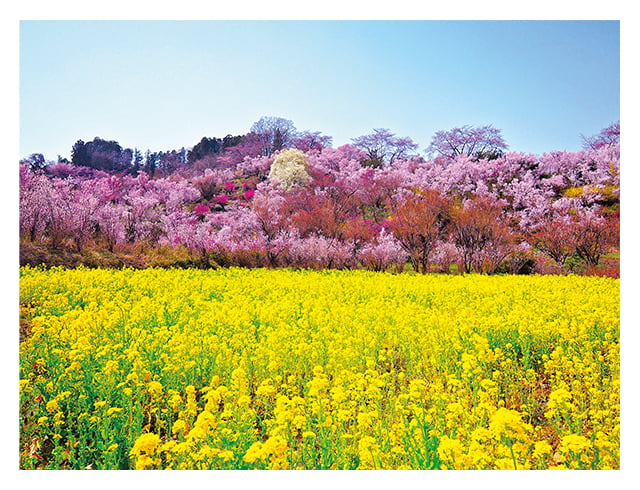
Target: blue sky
162 85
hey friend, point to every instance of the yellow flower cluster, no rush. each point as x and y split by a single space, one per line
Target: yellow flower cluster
280 369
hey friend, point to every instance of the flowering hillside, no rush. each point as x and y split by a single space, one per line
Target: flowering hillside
342 208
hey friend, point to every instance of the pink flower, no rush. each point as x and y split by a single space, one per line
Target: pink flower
221 199
249 194
201 209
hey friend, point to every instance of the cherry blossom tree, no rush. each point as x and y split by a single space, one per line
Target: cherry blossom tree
110 225
383 252
273 214
320 252
274 133
33 202
249 147
308 141
208 184
59 213
254 168
476 141
84 207
608 136
382 147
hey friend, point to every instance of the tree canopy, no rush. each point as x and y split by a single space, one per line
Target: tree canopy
476 141
383 147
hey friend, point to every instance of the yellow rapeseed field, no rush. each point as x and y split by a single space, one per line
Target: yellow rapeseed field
281 369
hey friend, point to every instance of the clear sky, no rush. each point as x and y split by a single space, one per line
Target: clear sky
162 85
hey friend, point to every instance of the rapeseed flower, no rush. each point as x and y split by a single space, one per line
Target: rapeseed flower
341 369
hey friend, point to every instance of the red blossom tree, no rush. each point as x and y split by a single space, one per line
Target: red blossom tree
594 234
584 233
418 222
481 233
555 238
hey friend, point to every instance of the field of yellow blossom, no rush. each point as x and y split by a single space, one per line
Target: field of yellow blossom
282 369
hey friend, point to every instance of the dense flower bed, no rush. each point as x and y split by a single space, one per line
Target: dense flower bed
280 369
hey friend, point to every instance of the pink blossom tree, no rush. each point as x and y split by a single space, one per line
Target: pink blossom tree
382 252
274 134
34 199
476 141
309 141
608 136
382 147
272 213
